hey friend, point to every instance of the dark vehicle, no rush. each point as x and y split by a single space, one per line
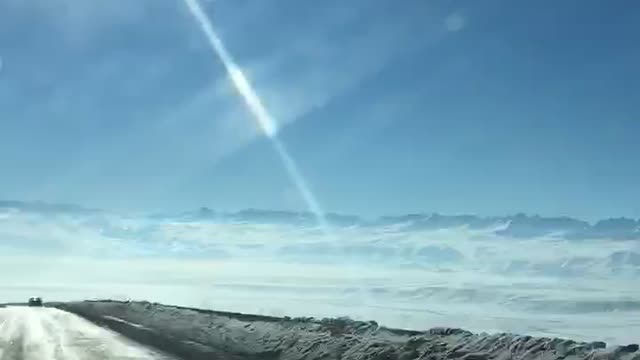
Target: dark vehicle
35 301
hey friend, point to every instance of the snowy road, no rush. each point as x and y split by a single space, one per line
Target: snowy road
45 333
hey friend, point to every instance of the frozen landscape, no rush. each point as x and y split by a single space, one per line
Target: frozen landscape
28 333
134 133
553 277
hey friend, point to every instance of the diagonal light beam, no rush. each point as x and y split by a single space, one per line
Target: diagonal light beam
260 113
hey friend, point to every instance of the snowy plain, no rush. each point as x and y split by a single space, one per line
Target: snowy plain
481 275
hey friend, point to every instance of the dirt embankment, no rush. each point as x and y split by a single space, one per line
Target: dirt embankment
204 334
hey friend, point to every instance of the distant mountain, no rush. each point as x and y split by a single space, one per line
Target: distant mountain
523 226
42 207
273 217
268 217
621 228
437 221
516 226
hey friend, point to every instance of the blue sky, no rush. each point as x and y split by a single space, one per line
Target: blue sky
488 107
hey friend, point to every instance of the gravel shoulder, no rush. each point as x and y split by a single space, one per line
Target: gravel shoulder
205 334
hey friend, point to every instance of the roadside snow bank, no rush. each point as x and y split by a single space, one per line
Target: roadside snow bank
204 334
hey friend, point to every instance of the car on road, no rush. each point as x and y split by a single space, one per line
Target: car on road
35 301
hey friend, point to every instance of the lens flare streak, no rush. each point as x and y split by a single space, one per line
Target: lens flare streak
262 116
237 77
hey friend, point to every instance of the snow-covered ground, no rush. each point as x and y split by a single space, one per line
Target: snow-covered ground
44 333
204 334
480 276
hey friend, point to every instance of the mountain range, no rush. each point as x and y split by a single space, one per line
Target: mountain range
518 226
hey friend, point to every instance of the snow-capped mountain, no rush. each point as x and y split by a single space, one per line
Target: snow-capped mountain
520 225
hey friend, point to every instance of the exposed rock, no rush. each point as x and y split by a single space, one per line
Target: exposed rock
629 348
205 334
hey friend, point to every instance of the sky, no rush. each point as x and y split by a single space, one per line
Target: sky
387 107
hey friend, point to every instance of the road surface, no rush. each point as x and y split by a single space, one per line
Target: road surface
34 333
